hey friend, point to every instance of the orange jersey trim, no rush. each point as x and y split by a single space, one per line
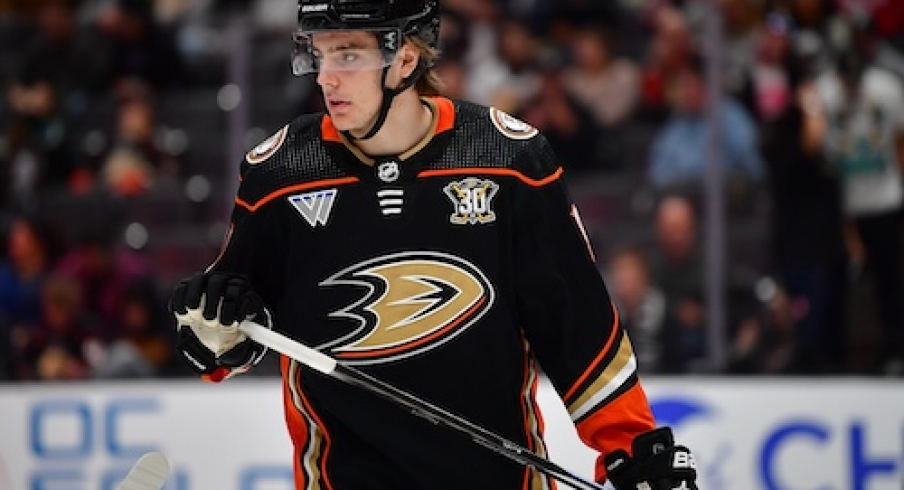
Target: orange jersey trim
293 188
495 171
298 426
598 359
445 114
616 426
328 131
445 120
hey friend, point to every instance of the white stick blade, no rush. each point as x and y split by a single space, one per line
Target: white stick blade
149 473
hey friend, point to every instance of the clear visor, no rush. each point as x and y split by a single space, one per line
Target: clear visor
342 55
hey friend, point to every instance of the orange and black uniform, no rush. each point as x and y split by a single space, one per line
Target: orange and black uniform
454 271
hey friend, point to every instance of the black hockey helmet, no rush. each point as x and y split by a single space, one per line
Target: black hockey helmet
410 17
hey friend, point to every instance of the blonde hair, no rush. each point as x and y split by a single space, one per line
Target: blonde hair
430 83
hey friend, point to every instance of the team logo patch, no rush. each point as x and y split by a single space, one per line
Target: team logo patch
388 171
472 200
267 147
315 206
510 126
413 302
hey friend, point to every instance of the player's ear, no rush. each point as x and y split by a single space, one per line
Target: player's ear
409 55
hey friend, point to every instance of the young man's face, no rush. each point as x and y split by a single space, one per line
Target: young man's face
350 68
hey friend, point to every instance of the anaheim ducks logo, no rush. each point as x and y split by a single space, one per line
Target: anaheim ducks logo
414 302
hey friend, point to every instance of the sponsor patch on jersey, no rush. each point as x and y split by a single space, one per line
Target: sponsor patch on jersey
511 126
315 206
267 147
472 201
413 302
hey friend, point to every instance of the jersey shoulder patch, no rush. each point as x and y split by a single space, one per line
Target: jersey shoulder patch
268 147
293 156
511 126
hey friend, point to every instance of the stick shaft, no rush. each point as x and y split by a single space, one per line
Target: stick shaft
417 406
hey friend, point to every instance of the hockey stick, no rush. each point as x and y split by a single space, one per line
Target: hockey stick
148 473
432 413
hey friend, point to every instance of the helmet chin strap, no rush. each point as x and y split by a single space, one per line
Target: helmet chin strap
388 95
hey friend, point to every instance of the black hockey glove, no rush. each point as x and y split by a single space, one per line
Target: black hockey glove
657 464
208 308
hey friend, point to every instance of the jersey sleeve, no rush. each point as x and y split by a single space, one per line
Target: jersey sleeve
256 241
568 318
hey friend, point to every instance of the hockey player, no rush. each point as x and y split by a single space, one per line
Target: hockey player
430 243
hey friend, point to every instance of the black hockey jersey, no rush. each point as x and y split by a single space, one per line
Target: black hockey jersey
454 271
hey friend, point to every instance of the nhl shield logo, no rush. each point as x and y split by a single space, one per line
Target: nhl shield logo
472 201
388 171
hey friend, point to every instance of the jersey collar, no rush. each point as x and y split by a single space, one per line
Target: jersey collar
443 120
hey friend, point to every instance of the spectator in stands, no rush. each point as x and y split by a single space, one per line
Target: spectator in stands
768 344
769 74
40 152
821 34
807 239
143 346
136 47
641 306
104 270
679 153
135 161
62 53
522 55
567 125
485 69
60 349
741 19
669 51
31 252
604 83
677 268
865 108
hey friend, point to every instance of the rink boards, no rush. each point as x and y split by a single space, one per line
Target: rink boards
747 434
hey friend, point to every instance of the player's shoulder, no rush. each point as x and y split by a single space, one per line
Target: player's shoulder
496 121
265 150
498 139
292 156
299 132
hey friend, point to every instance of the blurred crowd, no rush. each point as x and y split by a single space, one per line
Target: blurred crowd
116 117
